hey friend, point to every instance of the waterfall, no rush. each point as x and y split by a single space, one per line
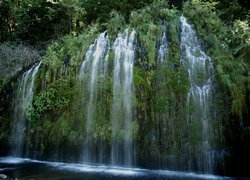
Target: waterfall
122 146
94 64
23 99
163 49
200 72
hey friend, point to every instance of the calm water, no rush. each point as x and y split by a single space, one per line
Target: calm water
33 169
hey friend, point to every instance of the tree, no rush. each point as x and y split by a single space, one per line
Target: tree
5 20
100 9
38 20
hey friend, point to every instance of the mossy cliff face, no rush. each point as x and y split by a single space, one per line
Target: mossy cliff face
162 133
14 61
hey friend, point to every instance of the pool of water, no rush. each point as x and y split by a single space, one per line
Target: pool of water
23 168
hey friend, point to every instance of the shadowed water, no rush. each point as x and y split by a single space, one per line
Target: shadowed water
200 71
34 169
23 99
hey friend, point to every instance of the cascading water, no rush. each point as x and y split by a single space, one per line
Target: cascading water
93 76
163 49
200 71
24 97
94 64
122 146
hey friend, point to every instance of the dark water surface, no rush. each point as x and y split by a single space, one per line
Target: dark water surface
33 169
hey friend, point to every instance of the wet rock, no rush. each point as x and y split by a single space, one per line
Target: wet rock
3 176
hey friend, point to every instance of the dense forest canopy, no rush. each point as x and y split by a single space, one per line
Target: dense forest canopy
34 21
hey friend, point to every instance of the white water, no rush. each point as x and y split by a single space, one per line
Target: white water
109 170
200 71
122 146
23 99
163 50
94 64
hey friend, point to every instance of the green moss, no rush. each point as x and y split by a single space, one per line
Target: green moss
59 110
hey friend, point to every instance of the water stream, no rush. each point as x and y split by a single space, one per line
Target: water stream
114 63
23 99
200 71
93 65
122 145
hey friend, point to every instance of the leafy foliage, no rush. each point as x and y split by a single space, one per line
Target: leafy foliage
39 20
58 114
100 9
227 47
57 96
